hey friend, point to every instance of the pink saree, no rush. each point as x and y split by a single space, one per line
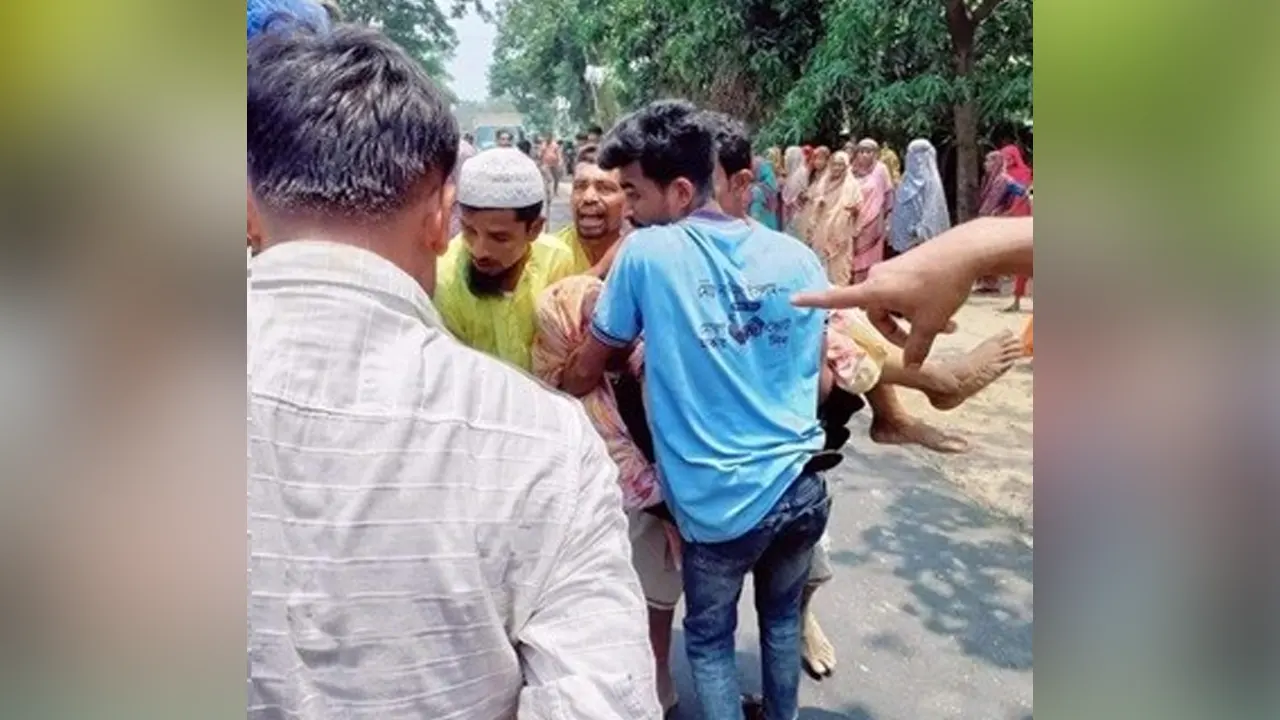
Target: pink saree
869 232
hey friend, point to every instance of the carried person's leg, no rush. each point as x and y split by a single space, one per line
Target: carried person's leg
796 523
817 652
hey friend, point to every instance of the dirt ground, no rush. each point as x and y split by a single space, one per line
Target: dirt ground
997 422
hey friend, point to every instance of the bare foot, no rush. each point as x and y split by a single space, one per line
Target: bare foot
817 653
667 694
913 431
937 378
979 368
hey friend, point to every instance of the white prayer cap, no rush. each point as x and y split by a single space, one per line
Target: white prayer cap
500 178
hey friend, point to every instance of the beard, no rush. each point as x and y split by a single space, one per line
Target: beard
484 284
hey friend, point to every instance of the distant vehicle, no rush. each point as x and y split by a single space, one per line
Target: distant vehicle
487 135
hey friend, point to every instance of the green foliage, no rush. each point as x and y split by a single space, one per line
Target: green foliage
421 27
886 68
541 53
797 70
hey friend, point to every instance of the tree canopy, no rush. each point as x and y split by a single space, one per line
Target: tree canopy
421 27
794 70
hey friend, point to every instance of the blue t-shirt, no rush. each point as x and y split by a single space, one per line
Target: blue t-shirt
731 366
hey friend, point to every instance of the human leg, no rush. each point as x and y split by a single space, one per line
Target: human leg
891 424
661 583
1019 292
713 578
781 573
817 652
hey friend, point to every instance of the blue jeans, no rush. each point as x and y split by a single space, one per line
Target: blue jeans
777 552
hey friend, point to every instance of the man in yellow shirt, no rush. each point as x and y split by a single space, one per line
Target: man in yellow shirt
598 204
488 280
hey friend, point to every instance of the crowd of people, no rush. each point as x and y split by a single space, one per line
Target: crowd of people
486 462
856 207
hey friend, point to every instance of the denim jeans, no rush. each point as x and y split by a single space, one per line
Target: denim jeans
778 553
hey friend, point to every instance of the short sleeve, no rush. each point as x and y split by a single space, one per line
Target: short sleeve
617 321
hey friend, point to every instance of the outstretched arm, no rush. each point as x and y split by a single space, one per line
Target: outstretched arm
929 284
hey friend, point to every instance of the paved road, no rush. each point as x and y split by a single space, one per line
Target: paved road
930 609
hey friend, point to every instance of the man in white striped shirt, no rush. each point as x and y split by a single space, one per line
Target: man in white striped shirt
432 534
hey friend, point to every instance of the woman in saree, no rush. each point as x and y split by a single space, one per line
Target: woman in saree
774 156
818 161
1000 193
795 182
1021 174
829 220
877 201
920 204
764 195
891 161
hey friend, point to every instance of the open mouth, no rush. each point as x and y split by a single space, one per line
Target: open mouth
591 223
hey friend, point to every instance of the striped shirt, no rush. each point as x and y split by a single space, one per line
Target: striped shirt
432 534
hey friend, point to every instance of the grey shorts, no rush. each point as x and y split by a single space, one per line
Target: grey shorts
659 577
663 583
820 567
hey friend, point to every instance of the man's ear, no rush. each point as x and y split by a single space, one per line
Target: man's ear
439 219
743 179
535 227
686 193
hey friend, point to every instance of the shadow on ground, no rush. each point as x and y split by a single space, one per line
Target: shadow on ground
958 561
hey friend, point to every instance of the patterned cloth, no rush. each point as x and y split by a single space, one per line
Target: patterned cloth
432 534
563 311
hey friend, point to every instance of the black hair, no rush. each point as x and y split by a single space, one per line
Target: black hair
589 153
502 132
345 124
526 214
524 145
670 139
733 149
580 137
331 7
595 130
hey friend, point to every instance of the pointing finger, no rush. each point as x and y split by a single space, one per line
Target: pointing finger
835 298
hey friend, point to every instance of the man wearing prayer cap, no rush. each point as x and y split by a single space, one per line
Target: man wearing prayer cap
494 270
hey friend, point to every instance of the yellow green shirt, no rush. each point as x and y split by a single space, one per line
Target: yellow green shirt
581 263
499 326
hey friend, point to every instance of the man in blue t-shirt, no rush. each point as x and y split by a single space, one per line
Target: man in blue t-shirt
733 376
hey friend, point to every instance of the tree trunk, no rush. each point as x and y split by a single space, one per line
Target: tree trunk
962 26
964 111
967 161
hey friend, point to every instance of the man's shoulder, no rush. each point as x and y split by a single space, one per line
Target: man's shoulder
653 241
501 397
553 244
